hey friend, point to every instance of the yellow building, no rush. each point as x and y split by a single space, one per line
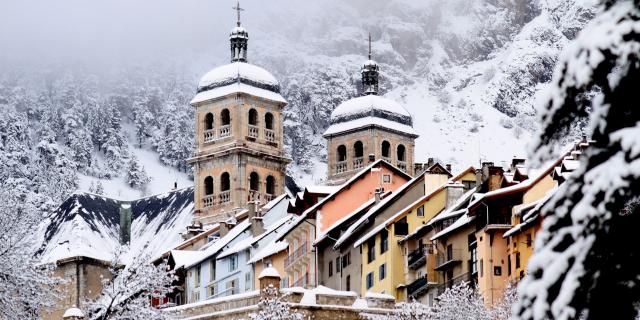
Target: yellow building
383 258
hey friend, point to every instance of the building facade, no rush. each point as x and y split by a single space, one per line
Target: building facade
239 136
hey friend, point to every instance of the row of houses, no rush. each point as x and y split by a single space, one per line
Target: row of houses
382 231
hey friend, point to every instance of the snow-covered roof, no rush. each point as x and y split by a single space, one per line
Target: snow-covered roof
269 250
212 248
236 72
322 189
269 272
73 312
248 242
89 225
347 217
184 257
365 122
234 88
461 222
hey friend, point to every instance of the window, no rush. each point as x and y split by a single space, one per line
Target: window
225 117
232 287
330 268
208 121
369 280
233 262
195 296
385 149
481 269
208 186
420 211
401 153
474 260
268 121
346 260
468 185
338 265
271 185
509 265
371 250
225 182
517 260
211 290
386 178
401 228
384 241
253 117
247 281
254 181
247 254
197 276
382 272
212 270
342 153
497 271
449 252
529 240
348 283
358 149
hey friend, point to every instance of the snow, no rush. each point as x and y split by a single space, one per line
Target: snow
322 189
185 257
461 222
235 88
73 312
237 70
248 242
269 273
365 122
218 245
366 104
375 295
360 304
202 303
269 250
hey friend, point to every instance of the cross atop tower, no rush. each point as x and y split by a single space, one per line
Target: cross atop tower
238 9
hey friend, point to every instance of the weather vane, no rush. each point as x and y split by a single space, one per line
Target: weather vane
238 9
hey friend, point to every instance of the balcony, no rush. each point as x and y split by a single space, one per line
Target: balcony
448 259
464 277
358 163
268 197
295 255
225 131
209 135
341 167
302 282
417 258
402 165
499 221
208 201
254 132
418 287
269 135
224 197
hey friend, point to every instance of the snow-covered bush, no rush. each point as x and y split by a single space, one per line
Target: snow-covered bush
273 307
585 260
460 302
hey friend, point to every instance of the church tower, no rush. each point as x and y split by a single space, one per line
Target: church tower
368 128
239 135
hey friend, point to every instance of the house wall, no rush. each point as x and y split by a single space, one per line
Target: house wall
276 261
492 252
539 190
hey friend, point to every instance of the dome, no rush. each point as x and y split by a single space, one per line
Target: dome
238 32
371 105
239 72
370 63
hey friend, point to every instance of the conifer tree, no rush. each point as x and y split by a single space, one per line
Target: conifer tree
586 262
136 176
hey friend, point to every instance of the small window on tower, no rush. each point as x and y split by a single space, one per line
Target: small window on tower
342 153
208 186
401 153
225 117
268 121
208 121
225 182
386 146
253 117
271 185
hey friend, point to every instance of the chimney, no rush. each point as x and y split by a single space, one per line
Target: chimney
496 175
125 223
378 194
255 218
430 162
175 185
193 230
455 190
516 162
448 166
224 228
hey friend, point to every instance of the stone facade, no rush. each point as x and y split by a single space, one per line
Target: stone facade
240 154
341 167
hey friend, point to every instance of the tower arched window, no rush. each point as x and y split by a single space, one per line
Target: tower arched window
225 117
358 149
253 117
342 153
401 153
268 121
208 121
254 181
386 148
208 186
225 182
271 185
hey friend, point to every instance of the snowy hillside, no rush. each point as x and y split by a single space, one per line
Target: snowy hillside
469 74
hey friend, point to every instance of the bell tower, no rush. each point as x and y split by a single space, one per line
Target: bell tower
239 154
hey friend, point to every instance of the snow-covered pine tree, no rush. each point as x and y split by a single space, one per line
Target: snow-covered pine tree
143 121
116 151
173 145
273 307
136 177
99 188
127 295
460 302
26 285
77 138
586 261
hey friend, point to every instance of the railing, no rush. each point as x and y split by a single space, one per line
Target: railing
224 197
303 281
253 131
402 165
209 135
499 220
224 293
295 255
208 201
446 259
418 287
269 135
417 258
466 277
269 197
358 163
341 167
387 159
225 131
